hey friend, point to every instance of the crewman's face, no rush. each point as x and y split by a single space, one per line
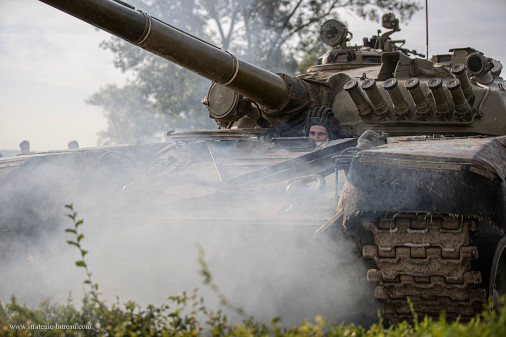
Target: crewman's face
318 132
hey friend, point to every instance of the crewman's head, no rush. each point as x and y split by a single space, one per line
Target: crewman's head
321 124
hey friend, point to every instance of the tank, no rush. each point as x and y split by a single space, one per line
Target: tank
415 178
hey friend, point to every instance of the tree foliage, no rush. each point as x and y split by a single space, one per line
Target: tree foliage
260 30
267 33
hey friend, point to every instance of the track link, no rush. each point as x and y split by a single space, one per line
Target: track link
427 258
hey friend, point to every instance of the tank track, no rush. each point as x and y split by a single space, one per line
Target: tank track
426 257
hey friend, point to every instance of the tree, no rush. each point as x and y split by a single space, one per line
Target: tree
263 32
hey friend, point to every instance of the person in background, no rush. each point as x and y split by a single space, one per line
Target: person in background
73 144
24 147
321 124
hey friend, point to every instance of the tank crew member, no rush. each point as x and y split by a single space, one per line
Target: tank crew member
321 124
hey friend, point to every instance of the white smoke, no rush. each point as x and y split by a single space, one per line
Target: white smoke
145 216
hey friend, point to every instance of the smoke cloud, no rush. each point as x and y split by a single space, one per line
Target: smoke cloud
147 209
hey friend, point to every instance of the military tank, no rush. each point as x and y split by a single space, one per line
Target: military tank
421 147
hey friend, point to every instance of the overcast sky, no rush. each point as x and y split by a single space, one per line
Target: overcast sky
50 63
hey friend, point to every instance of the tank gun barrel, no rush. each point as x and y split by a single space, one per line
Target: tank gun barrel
122 20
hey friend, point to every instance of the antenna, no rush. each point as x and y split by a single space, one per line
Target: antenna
427 26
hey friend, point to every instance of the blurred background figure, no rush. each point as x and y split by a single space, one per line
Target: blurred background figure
24 147
73 144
